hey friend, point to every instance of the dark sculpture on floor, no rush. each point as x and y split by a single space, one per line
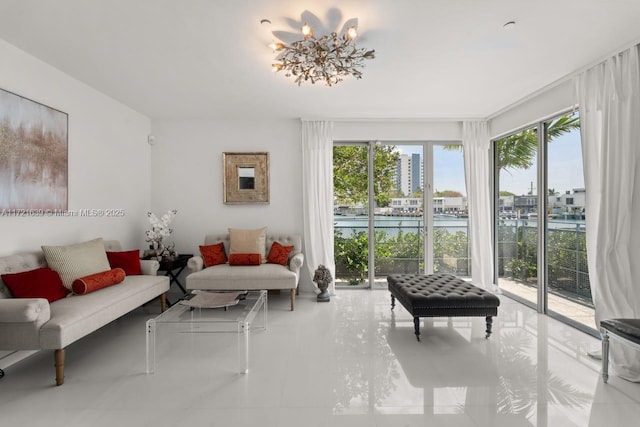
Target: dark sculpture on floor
322 277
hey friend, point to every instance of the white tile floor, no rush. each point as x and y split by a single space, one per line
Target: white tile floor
349 362
559 304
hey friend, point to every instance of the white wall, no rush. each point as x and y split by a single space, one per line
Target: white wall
187 175
109 166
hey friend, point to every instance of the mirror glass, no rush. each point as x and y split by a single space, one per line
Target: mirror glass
246 178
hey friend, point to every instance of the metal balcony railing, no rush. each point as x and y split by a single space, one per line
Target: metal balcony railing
400 249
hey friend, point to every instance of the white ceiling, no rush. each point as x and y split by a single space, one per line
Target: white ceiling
209 58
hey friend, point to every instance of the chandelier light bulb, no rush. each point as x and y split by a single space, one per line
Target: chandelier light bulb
352 33
306 30
276 67
276 47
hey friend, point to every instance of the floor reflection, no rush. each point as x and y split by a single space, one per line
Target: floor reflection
525 374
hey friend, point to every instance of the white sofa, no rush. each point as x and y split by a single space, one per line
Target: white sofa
36 324
224 277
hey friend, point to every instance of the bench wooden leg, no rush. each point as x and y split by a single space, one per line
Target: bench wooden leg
489 324
416 327
59 363
293 299
163 302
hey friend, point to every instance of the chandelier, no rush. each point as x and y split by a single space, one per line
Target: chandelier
329 58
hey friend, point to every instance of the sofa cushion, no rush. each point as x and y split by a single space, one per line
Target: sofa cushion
38 283
279 254
94 282
243 277
78 315
248 242
129 261
245 259
79 260
213 254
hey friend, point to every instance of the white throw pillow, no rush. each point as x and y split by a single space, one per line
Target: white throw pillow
248 242
78 260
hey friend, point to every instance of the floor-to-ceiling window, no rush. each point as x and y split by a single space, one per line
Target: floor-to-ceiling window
351 213
569 291
450 214
399 218
398 208
540 222
516 162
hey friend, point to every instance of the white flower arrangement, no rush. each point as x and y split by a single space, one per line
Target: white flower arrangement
160 226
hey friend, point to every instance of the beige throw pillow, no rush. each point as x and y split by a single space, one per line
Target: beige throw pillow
78 260
248 242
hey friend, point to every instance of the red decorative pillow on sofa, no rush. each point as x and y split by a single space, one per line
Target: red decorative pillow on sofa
38 283
129 261
245 259
213 254
279 254
97 281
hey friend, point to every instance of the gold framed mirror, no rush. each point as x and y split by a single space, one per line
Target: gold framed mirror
246 178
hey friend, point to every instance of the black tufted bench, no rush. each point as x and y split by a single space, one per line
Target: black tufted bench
441 295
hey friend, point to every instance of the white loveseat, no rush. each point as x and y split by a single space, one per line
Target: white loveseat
224 277
36 324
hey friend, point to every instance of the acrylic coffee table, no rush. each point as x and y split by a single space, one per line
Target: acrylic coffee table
236 318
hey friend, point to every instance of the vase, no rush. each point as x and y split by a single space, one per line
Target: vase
162 252
158 248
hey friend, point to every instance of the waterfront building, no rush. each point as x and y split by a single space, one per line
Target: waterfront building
449 205
441 205
569 203
406 205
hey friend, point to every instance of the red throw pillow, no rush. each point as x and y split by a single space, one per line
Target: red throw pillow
245 259
39 283
279 254
213 254
129 261
96 281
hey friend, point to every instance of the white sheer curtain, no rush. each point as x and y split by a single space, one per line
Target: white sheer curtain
609 99
477 170
317 196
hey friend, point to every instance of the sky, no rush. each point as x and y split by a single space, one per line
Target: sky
564 168
448 169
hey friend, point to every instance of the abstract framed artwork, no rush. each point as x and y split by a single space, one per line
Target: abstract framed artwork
246 178
34 156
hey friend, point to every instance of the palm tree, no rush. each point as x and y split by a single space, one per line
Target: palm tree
518 151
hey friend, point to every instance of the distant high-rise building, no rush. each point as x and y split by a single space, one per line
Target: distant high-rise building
402 174
409 174
416 172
